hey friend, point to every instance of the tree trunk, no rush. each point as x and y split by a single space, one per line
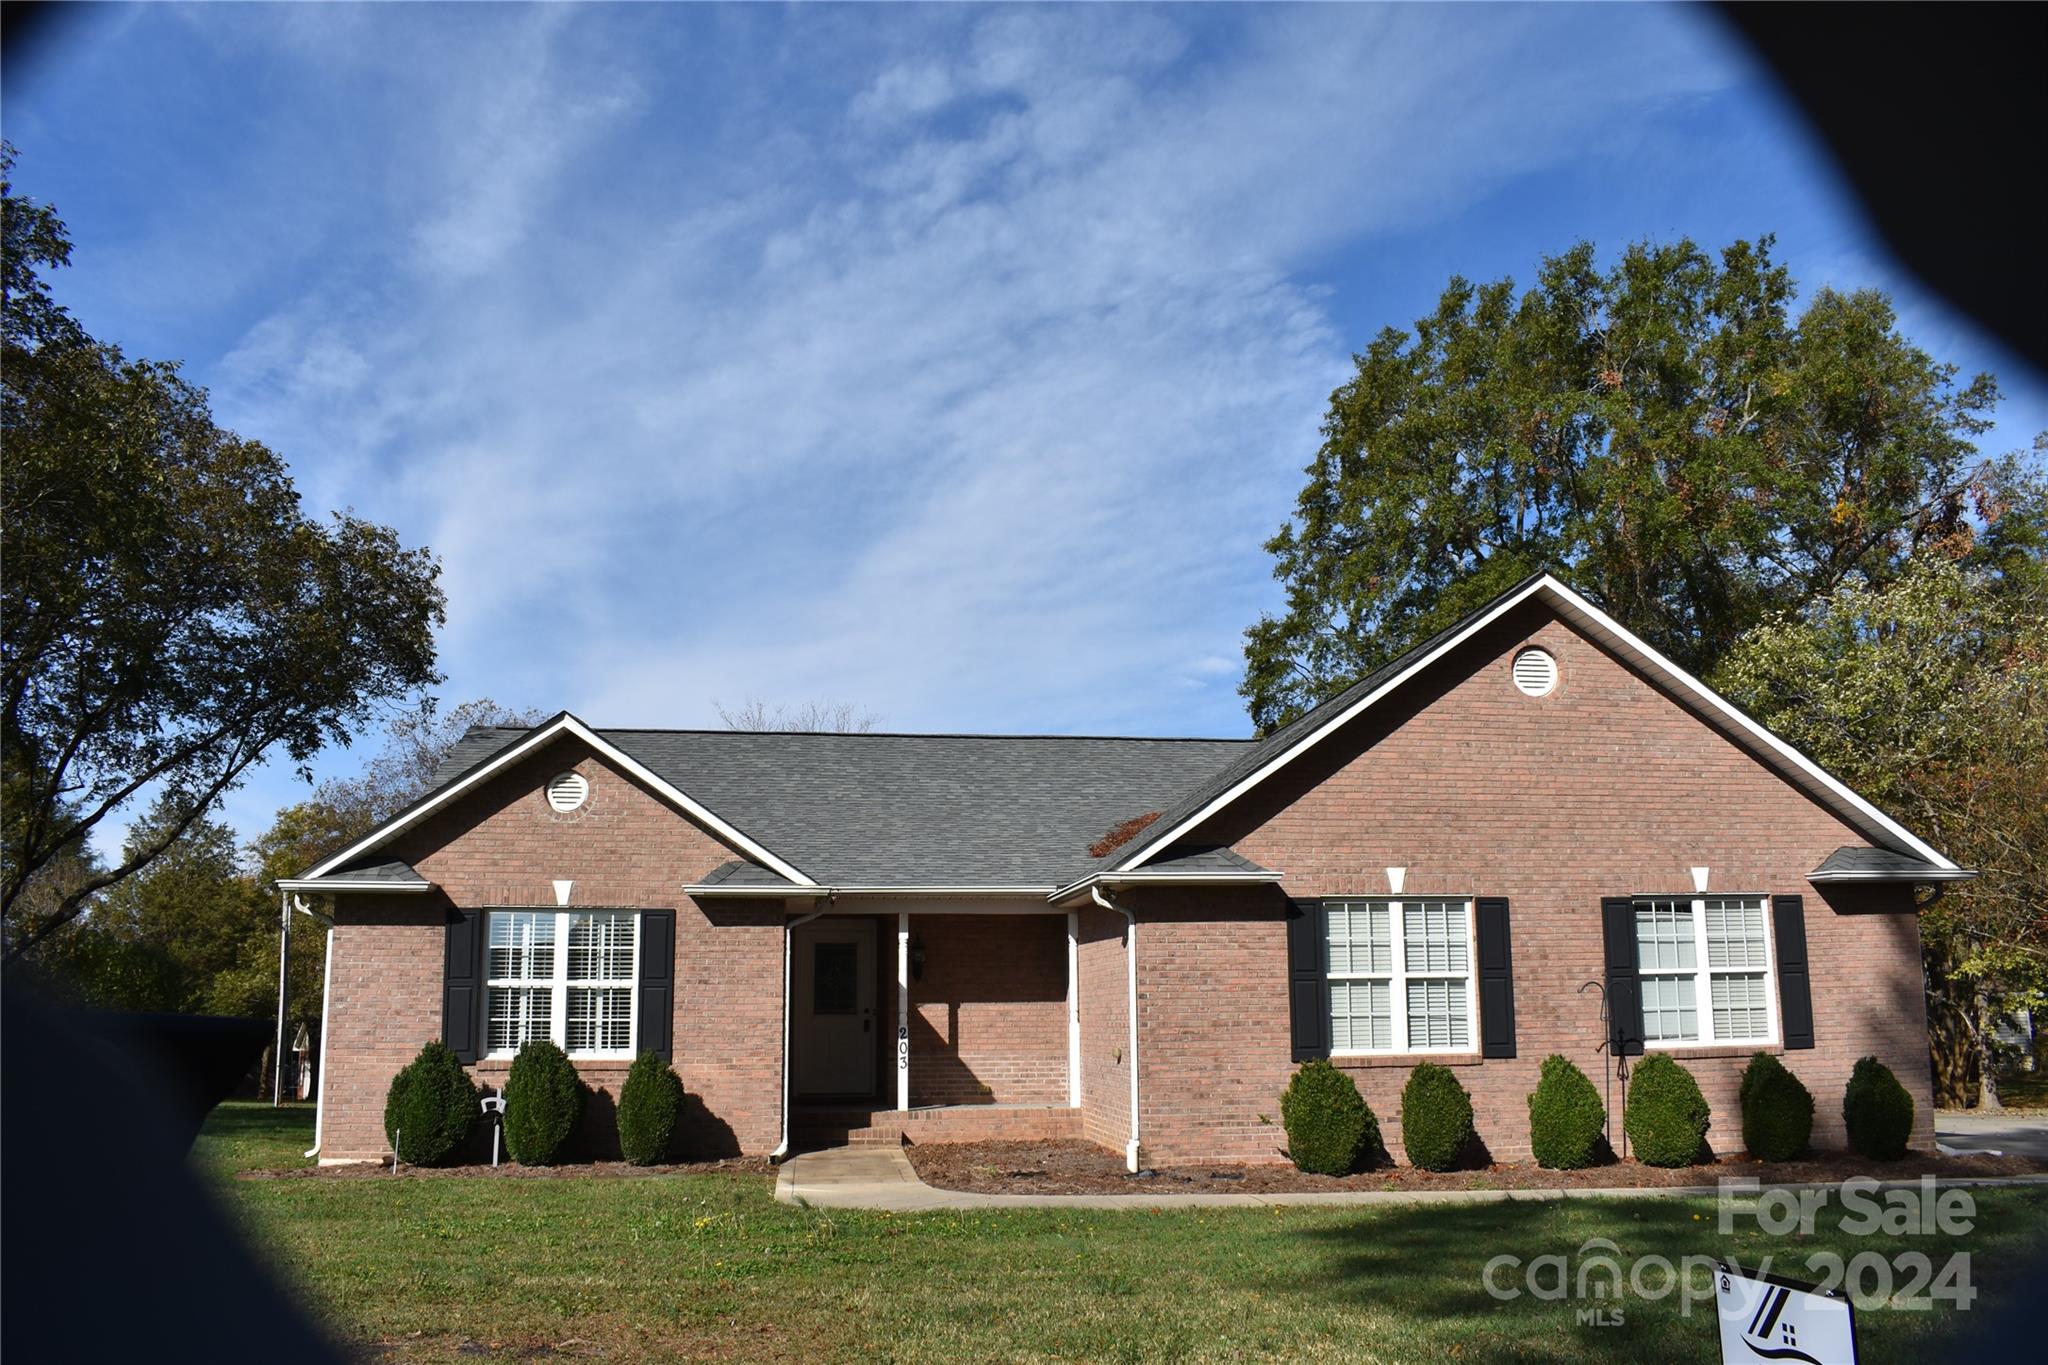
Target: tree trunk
1987 1069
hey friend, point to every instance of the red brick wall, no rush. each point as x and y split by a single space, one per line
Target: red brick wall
1105 1029
1604 787
988 1020
502 845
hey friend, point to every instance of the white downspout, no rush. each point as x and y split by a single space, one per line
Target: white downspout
326 1026
1131 1009
788 938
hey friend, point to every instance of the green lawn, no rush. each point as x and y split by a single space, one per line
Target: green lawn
691 1267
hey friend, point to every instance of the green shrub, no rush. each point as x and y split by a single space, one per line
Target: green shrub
543 1100
1878 1111
1436 1117
1331 1130
1777 1110
650 1103
1566 1118
430 1107
1666 1117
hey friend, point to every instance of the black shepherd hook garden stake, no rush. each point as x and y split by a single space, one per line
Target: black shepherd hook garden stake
1620 1063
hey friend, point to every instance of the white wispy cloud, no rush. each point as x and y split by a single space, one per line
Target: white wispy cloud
956 369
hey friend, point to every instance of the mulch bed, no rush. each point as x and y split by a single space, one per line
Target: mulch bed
512 1170
1070 1167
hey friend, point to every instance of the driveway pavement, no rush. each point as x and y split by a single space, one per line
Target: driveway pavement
2013 1134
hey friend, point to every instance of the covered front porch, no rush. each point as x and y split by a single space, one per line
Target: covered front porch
932 1021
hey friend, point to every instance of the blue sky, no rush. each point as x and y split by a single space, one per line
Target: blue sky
952 362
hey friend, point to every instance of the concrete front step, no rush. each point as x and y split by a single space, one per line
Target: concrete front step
946 1123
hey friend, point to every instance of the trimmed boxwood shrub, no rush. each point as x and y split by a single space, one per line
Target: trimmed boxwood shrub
1878 1111
1666 1116
1777 1110
430 1107
1331 1130
1566 1118
650 1103
543 1100
1436 1117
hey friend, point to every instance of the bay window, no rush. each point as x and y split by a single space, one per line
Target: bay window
1400 976
1705 967
565 975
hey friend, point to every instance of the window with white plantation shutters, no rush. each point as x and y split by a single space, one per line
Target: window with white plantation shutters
1706 970
1400 976
565 975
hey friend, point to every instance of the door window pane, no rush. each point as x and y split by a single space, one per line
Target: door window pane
835 978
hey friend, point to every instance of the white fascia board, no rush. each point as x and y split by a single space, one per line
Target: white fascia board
564 724
310 884
940 890
1578 608
756 891
1933 874
1335 723
1112 879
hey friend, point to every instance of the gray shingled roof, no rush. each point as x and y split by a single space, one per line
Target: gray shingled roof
913 810
740 872
1851 863
372 868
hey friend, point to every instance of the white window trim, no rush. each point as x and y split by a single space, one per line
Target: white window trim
1397 979
559 983
1703 975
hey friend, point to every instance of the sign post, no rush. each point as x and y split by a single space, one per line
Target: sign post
1766 1318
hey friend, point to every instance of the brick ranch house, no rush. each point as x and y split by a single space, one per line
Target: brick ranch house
1531 834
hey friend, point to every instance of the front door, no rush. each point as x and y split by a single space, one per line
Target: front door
832 1023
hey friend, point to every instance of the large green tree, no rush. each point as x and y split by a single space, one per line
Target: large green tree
1665 433
1930 695
171 616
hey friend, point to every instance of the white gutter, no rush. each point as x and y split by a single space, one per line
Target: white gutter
1932 874
782 1148
1131 1148
317 885
1115 879
714 889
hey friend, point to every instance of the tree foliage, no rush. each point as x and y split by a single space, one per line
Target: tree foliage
171 615
1930 696
1665 433
811 717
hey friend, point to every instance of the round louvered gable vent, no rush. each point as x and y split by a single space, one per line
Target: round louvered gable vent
568 791
1535 672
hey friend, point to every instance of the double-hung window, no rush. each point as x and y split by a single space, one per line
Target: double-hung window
1400 976
1705 967
565 975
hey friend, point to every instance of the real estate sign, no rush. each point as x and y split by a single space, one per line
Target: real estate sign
1766 1318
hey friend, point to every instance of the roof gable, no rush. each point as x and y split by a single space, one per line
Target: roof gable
530 742
1311 729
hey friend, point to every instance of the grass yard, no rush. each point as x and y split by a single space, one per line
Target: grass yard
690 1267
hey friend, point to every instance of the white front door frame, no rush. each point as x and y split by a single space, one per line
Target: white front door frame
834 1047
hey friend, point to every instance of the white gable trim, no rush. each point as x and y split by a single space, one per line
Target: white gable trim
1696 694
561 725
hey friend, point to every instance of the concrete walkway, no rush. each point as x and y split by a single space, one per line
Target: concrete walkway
882 1178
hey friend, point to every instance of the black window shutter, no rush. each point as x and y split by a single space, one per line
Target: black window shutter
1624 986
462 986
1496 979
1308 982
657 982
1795 991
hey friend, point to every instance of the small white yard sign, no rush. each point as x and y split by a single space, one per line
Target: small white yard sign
1765 1318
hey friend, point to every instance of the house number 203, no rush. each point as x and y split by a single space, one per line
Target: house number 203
903 1047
